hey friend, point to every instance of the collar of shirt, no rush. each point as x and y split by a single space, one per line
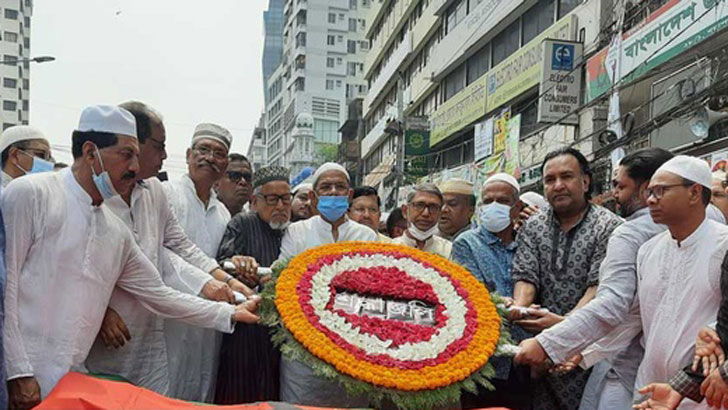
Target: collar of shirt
190 186
692 238
75 188
6 178
557 225
492 239
639 213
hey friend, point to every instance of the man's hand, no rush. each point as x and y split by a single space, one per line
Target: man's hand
246 268
526 212
239 286
530 353
539 320
663 397
567 366
23 393
113 332
715 389
218 291
708 350
245 312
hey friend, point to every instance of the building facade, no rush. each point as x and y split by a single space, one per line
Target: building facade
15 18
273 40
468 67
257 149
320 72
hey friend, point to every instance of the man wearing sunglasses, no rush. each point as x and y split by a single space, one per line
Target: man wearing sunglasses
25 150
233 189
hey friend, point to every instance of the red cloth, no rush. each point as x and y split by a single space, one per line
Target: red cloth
78 391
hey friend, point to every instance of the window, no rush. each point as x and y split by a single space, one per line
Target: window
26 42
365 3
10 82
478 64
10 37
330 40
339 38
332 18
351 46
300 84
537 19
352 4
341 16
351 68
301 39
326 131
455 14
505 43
10 105
26 84
329 84
26 21
565 6
339 60
454 82
26 105
11 14
330 62
7 125
352 24
364 45
338 83
10 59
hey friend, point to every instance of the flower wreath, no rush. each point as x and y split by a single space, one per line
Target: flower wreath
427 330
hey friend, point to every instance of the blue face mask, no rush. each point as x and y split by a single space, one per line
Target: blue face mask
39 165
495 217
332 208
103 180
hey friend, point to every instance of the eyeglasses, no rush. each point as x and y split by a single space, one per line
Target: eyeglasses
218 155
658 191
273 199
337 188
37 153
159 144
421 206
236 176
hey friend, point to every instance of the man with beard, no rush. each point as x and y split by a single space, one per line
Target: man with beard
302 206
249 364
131 341
233 189
194 353
556 264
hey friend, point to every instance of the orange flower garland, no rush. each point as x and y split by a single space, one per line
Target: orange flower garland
448 370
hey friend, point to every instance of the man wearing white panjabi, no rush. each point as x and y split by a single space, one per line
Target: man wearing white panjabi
331 195
678 272
131 341
194 353
65 253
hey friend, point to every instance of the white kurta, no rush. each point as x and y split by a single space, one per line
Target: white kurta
435 244
143 359
679 293
193 353
64 256
298 383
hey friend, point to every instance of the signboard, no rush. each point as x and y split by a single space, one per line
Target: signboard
417 144
460 110
522 70
500 130
673 28
483 139
560 81
512 159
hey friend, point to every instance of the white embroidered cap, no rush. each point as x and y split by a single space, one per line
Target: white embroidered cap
107 118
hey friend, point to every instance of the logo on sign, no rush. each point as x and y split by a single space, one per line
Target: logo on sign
562 57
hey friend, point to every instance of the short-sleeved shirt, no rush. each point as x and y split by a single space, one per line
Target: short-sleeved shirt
562 265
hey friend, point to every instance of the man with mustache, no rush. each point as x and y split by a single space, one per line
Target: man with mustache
194 353
557 261
233 189
457 209
131 340
249 351
65 253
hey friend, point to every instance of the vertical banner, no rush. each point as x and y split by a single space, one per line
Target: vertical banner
512 162
483 139
417 144
500 131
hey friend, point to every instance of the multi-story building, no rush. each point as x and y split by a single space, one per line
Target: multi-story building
463 64
273 40
321 71
257 149
14 48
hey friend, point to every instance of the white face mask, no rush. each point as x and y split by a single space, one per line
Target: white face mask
495 217
422 235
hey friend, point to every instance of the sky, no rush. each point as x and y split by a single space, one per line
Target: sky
193 61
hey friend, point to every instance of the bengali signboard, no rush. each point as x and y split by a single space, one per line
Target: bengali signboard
483 139
670 30
560 81
500 130
460 110
417 145
522 70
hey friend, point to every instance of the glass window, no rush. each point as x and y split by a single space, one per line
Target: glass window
456 13
537 19
330 40
332 18
364 45
505 43
351 68
330 62
26 84
10 82
565 6
10 37
351 46
11 14
10 105
329 84
352 4
478 64
326 131
454 82
352 24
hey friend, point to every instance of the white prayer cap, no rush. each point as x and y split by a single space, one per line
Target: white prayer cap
212 131
691 168
19 133
535 200
329 166
457 186
302 185
503 177
107 118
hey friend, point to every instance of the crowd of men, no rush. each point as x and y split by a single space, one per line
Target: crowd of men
111 271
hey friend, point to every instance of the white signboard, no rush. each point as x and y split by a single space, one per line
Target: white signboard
483 139
561 81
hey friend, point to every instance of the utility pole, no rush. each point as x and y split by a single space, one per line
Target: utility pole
399 160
